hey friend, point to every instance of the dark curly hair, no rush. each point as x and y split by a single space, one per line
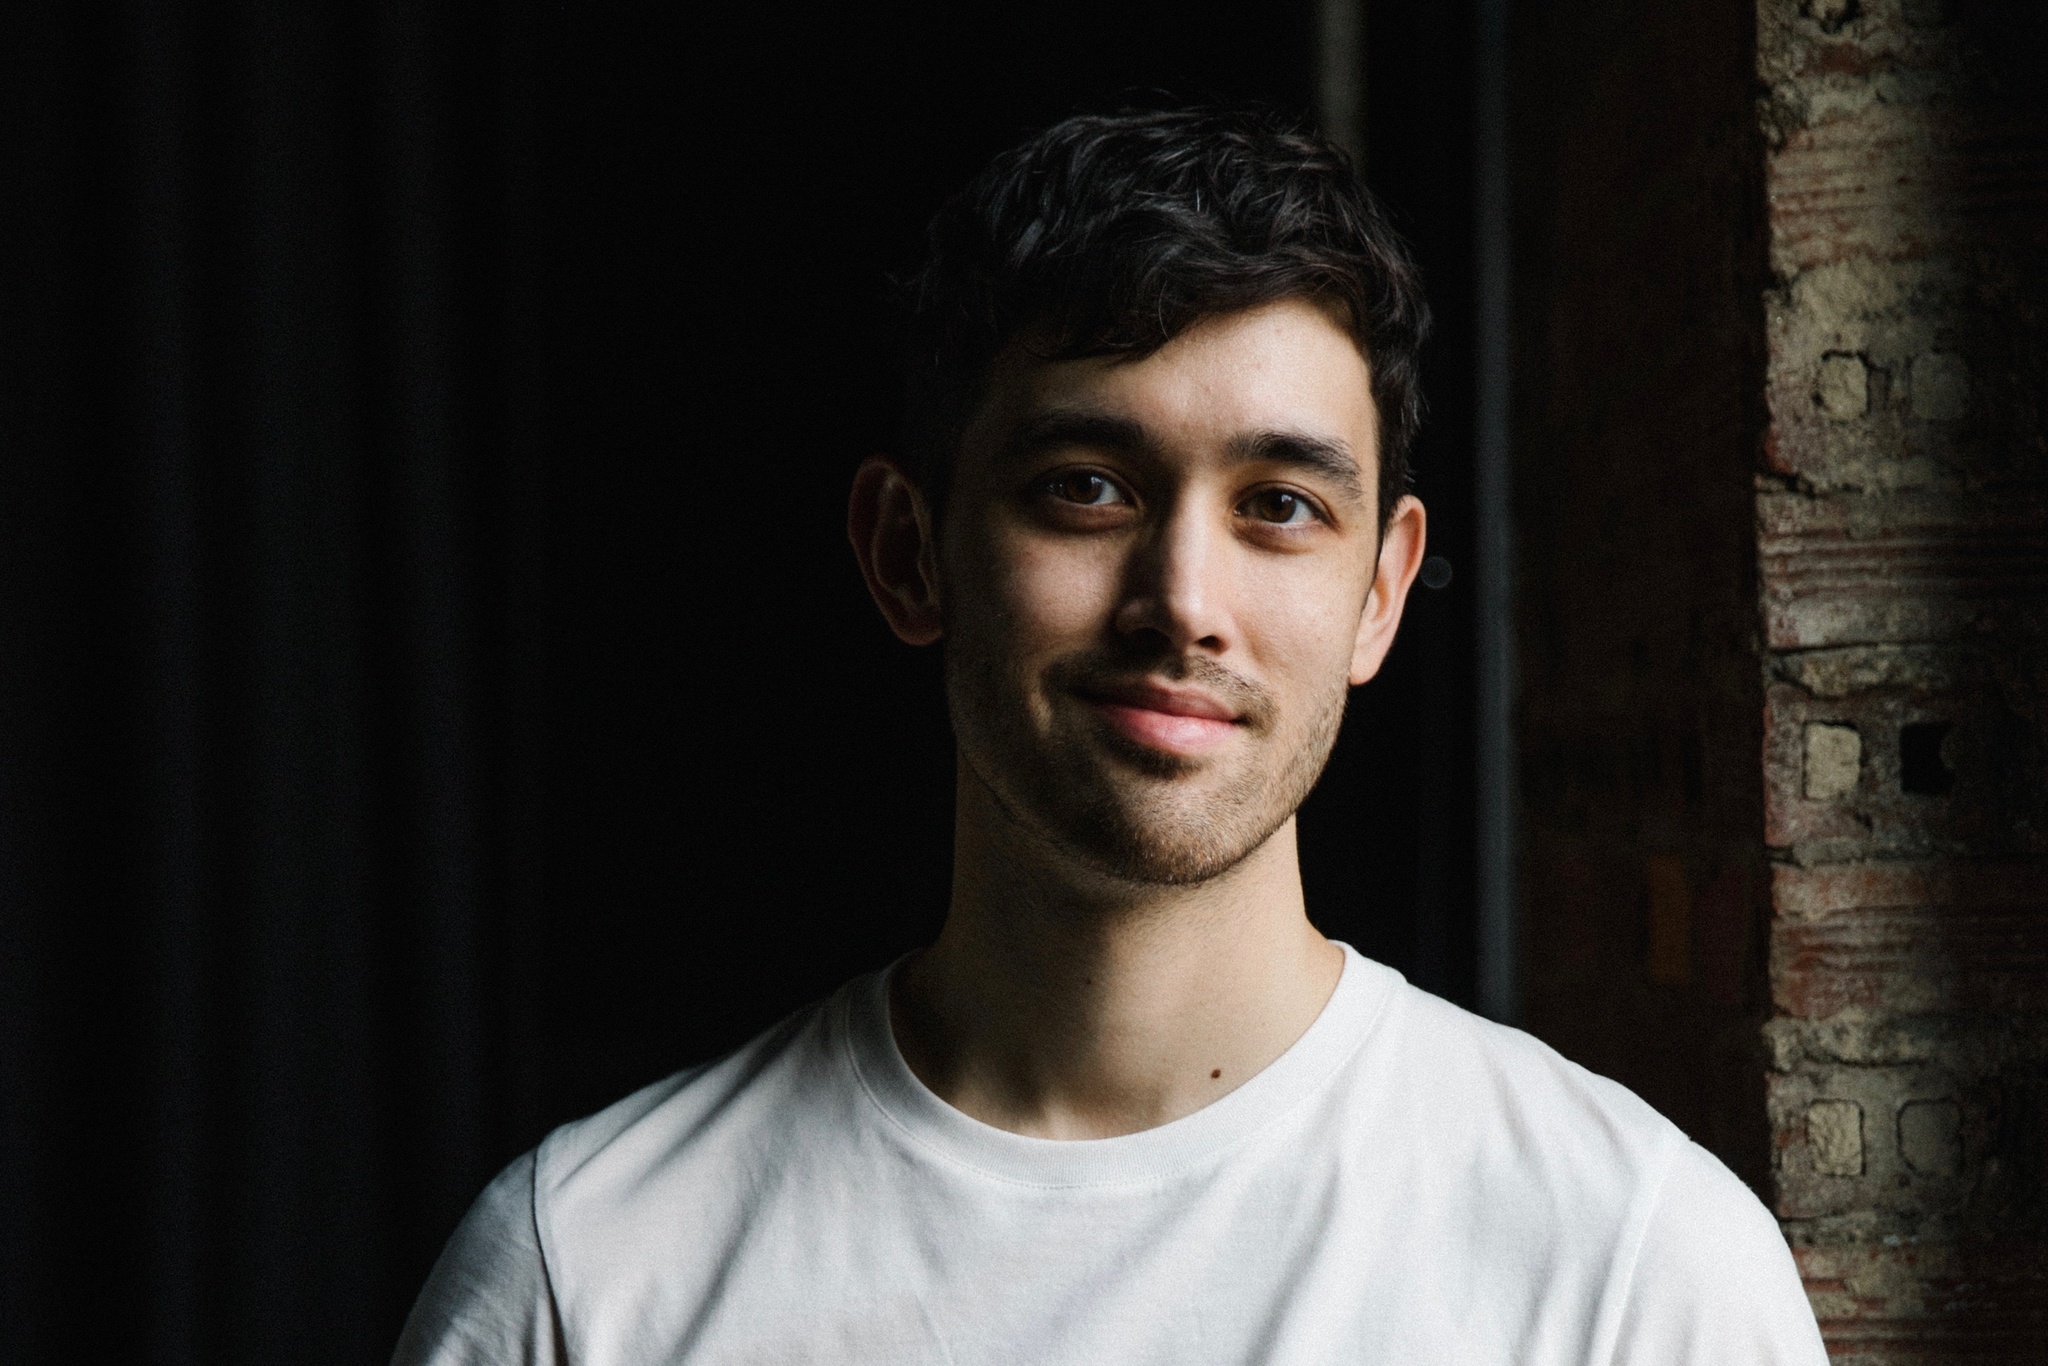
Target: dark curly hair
1111 235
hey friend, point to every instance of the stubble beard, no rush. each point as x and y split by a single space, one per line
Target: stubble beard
1124 810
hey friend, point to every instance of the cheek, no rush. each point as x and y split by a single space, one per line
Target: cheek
1301 628
1053 592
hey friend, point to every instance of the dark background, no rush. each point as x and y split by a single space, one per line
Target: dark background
435 695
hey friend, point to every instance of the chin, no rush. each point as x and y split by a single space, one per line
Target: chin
1161 863
1156 840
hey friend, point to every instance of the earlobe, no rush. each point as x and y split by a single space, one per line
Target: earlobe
1400 558
890 528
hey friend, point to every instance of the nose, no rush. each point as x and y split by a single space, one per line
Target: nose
1176 585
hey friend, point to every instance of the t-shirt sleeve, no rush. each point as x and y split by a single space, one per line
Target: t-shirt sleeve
488 1299
1714 1283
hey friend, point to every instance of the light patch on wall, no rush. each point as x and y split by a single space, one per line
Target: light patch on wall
1834 761
1834 1135
1842 388
1670 907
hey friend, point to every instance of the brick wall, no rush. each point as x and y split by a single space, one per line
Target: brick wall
1903 559
1782 312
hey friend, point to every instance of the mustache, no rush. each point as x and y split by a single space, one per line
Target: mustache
1098 671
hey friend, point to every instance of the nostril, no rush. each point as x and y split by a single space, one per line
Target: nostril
1921 769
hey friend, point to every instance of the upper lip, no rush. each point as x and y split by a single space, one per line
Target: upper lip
1150 696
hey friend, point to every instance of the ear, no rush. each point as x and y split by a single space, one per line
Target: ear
891 531
1401 548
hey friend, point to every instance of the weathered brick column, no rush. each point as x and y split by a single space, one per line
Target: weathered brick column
1903 564
1782 505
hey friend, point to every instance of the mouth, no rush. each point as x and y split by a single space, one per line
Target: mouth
1186 722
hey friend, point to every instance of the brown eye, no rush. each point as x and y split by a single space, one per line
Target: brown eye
1084 488
1278 507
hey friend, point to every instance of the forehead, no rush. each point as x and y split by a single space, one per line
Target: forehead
1284 366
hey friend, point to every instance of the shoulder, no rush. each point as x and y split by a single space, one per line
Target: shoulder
489 1298
665 1123
1676 1260
1509 1098
608 1201
669 1173
1712 1278
1505 1140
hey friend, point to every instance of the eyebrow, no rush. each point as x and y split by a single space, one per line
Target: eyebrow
1057 427
1075 427
1323 455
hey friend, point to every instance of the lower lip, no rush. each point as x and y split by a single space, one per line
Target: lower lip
1165 731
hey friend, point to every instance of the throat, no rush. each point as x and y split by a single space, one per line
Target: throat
1053 1019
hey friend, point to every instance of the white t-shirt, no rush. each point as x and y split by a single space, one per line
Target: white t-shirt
1407 1183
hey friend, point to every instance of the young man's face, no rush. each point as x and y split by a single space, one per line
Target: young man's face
1157 579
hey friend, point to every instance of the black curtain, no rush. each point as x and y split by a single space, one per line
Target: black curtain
270 504
435 697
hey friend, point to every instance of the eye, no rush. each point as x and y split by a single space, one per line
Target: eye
1279 507
1085 488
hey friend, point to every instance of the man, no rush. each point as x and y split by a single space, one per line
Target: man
1130 1106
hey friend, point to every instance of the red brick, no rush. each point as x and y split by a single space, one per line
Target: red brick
1856 570
1929 1302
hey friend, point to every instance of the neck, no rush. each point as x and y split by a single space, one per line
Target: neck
1063 1004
